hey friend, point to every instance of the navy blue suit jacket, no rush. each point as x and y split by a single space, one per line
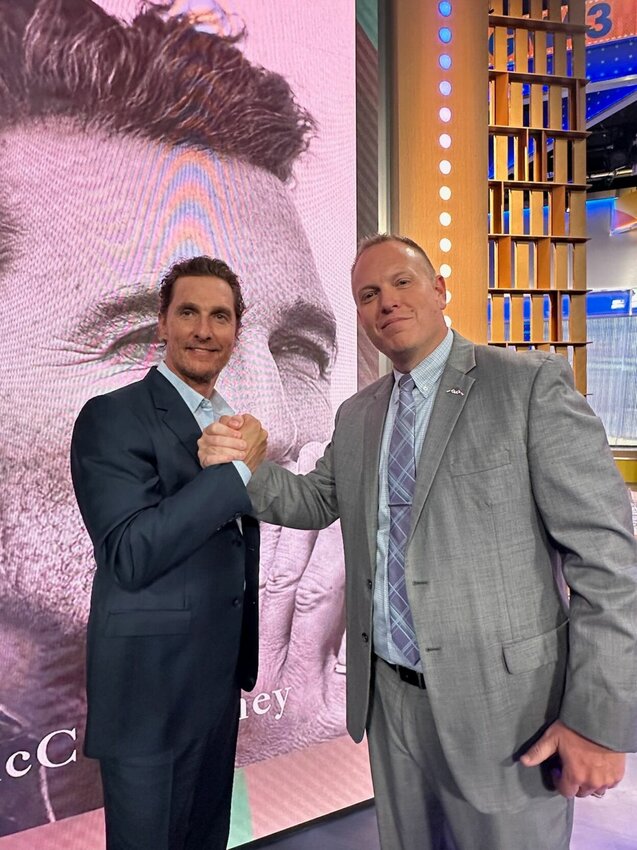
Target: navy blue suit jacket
173 623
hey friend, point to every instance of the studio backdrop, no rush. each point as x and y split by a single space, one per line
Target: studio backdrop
131 135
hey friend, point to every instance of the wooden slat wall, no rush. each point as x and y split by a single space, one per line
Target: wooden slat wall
536 93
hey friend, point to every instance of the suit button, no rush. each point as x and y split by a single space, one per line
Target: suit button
237 542
236 602
369 583
365 637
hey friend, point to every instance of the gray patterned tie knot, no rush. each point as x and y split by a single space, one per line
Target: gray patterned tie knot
401 482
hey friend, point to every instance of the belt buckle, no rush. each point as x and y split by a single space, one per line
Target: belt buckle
412 677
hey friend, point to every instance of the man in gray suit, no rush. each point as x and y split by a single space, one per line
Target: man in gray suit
490 699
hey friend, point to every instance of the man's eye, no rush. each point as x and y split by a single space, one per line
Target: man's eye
119 341
402 282
136 346
366 296
300 356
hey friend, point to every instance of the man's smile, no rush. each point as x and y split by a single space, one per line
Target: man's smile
201 349
393 320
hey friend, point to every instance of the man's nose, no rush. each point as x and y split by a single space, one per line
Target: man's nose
251 383
387 300
203 328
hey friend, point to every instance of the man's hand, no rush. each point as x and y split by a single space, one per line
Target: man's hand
256 438
587 767
233 438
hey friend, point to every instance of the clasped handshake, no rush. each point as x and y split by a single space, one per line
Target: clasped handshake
238 437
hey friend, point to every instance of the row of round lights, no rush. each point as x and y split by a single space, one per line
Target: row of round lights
445 36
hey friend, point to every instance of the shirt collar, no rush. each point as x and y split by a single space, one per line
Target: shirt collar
427 373
191 397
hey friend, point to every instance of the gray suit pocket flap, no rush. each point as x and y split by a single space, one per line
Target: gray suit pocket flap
521 656
140 623
479 461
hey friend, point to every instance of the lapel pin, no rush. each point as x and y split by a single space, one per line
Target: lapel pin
455 391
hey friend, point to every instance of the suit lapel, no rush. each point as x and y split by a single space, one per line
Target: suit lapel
372 436
174 411
455 385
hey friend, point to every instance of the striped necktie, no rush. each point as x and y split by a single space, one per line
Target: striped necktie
401 479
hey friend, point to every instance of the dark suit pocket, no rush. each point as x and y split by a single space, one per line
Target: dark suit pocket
140 623
522 656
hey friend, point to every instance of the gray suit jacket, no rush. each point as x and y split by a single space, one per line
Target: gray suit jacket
517 495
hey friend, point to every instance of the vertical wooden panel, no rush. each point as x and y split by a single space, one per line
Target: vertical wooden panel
542 157
521 42
559 54
497 318
557 211
416 153
516 216
497 209
579 161
579 267
500 48
560 160
540 54
536 106
501 158
555 107
517 318
577 214
522 156
561 265
555 10
522 266
536 213
505 268
555 319
537 318
578 316
579 367
502 99
577 16
515 104
543 272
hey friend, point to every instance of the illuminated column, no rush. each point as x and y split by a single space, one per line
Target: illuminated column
439 153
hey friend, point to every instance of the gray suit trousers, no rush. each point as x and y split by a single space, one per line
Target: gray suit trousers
418 803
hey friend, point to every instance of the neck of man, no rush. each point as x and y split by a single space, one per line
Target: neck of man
405 361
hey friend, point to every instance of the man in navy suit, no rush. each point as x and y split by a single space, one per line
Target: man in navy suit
172 633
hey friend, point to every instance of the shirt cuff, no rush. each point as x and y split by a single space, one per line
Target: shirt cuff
244 471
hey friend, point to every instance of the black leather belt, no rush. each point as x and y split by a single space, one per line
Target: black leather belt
406 674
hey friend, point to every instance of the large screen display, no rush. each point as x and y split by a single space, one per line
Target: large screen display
123 149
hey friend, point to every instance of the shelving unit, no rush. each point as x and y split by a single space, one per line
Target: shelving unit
537 188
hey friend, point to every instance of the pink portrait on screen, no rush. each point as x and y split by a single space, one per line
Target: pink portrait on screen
91 214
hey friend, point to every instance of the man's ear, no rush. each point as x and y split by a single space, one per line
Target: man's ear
441 289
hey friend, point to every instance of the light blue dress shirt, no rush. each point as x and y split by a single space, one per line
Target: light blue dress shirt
204 410
426 376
